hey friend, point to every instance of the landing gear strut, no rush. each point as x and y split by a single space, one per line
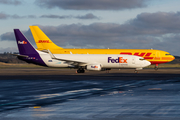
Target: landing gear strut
156 67
80 70
135 71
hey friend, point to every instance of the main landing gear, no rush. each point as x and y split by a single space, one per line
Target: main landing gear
136 70
80 70
156 67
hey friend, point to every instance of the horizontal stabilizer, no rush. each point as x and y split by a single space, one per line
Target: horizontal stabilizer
20 55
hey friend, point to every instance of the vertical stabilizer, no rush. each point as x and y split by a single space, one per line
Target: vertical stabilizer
42 41
26 50
24 46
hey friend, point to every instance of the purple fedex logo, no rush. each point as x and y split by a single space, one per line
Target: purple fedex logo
118 60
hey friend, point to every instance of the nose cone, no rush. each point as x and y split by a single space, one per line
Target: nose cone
169 59
146 63
172 58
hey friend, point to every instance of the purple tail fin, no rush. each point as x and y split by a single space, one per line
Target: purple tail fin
26 49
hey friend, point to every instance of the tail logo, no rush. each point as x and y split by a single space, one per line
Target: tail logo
23 42
94 66
44 41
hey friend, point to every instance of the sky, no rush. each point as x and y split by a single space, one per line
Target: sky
113 24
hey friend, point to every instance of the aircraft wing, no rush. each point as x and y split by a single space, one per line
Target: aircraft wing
53 57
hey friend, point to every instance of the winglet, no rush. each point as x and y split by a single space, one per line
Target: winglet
52 56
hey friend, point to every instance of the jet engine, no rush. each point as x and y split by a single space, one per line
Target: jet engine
95 67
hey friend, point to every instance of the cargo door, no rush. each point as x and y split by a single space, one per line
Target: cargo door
158 57
133 60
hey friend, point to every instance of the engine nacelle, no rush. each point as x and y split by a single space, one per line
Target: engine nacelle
95 67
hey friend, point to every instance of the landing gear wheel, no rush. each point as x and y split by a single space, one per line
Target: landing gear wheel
156 67
80 71
135 71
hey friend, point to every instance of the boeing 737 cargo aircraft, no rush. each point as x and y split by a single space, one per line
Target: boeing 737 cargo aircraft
154 56
96 62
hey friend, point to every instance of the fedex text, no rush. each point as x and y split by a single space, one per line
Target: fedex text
22 42
118 60
94 66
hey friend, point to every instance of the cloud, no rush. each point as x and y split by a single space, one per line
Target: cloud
8 36
84 17
15 16
11 2
8 49
155 23
56 16
87 16
3 16
160 30
92 4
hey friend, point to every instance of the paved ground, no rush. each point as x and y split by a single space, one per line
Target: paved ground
70 74
46 94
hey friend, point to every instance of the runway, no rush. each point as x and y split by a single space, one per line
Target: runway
70 74
63 94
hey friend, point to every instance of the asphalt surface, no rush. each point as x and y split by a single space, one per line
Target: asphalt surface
53 94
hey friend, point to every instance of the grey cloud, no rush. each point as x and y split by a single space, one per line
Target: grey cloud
97 34
155 23
9 49
3 16
148 30
8 36
92 4
10 2
56 16
15 16
31 16
87 16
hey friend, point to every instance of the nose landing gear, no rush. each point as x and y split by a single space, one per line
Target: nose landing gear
156 67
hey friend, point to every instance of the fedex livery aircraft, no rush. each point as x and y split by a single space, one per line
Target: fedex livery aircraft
154 56
96 62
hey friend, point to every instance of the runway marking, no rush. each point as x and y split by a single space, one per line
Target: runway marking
37 106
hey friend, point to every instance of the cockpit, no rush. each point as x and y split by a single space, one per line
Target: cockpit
167 54
141 59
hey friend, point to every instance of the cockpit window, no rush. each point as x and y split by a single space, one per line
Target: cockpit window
167 54
141 59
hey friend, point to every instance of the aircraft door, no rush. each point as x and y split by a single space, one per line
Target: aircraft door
158 55
133 60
